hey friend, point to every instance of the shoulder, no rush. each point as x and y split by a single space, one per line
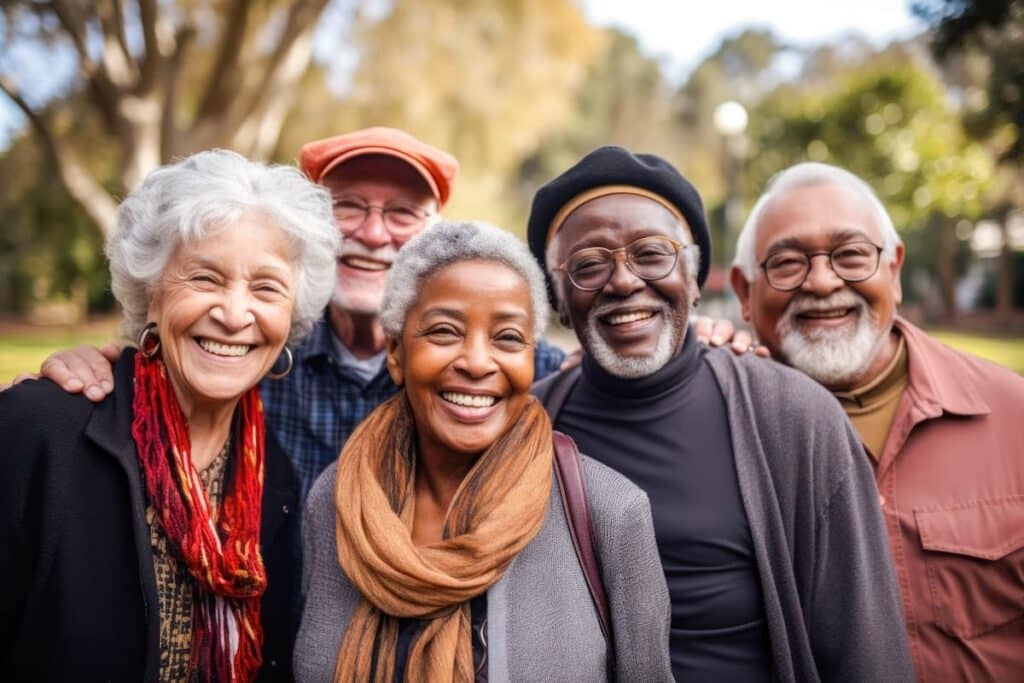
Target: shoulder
990 379
769 385
607 489
39 407
547 358
319 509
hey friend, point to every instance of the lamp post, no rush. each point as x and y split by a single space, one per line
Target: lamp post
730 121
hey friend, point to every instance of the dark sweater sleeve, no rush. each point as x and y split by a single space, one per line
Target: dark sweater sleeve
855 614
35 424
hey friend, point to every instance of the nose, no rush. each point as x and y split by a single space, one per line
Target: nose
476 360
235 309
821 280
372 232
623 281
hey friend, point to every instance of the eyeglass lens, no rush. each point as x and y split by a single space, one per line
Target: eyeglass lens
397 217
852 262
649 258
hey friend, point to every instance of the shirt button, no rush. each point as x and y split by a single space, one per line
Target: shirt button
881 501
284 509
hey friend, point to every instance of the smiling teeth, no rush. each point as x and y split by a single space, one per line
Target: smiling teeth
468 400
364 264
825 314
224 349
623 318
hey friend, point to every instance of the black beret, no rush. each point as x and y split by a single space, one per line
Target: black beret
618 166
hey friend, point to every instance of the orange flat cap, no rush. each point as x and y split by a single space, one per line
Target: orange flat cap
437 167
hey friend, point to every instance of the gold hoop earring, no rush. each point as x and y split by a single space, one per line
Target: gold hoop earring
291 362
148 341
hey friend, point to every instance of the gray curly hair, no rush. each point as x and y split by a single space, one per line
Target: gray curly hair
206 192
446 243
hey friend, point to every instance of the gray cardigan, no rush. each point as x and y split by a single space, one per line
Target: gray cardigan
541 622
830 594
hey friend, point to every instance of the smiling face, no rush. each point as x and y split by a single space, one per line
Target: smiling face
631 327
223 310
836 332
465 356
368 248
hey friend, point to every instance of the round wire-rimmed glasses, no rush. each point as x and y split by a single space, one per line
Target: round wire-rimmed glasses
399 219
787 269
649 258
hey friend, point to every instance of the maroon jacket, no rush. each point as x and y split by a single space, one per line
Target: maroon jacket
951 479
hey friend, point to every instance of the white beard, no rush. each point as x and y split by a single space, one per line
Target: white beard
833 357
629 367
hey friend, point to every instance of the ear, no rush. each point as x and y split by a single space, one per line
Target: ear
742 289
394 354
895 267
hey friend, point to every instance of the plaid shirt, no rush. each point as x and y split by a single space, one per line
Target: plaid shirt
317 406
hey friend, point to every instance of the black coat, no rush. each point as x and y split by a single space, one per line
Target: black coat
78 596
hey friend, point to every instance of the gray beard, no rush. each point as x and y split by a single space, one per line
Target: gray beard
629 367
832 357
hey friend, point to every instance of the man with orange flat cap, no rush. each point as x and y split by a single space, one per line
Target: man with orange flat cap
386 187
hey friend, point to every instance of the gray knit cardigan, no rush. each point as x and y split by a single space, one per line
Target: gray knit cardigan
541 621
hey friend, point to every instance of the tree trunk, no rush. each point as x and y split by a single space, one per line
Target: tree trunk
946 257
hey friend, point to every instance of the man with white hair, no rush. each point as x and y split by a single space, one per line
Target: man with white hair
817 272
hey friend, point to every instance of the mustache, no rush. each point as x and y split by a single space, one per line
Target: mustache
350 247
808 303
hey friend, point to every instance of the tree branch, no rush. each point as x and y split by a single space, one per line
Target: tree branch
83 188
286 65
115 57
222 86
168 122
149 17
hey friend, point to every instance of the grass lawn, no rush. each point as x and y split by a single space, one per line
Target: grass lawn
1007 351
23 348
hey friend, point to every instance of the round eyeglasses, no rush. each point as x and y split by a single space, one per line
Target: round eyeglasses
649 258
399 219
787 269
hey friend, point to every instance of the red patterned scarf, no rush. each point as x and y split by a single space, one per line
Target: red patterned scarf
224 558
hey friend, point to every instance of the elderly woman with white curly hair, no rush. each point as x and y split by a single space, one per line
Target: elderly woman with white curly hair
151 536
442 546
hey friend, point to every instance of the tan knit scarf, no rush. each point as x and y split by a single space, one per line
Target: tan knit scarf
495 513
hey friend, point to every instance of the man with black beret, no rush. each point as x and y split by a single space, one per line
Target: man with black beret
764 506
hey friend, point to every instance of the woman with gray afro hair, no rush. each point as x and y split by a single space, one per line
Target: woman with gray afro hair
437 547
447 243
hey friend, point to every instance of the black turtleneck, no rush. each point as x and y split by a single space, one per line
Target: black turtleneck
669 433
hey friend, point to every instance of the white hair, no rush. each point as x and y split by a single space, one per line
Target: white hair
446 243
209 191
803 175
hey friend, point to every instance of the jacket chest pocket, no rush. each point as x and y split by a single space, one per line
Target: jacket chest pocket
974 557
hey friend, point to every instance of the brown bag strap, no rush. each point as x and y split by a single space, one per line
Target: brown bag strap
569 471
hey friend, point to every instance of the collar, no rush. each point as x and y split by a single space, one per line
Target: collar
109 426
938 377
876 390
674 375
317 343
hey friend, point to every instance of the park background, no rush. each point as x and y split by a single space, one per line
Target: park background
924 99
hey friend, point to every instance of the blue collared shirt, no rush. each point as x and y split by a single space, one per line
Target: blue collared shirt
314 409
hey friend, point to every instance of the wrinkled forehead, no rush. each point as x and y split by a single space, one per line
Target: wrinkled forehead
816 216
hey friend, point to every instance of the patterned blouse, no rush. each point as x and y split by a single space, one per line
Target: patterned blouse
175 586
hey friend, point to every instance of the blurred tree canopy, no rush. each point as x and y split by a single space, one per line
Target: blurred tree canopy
517 89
